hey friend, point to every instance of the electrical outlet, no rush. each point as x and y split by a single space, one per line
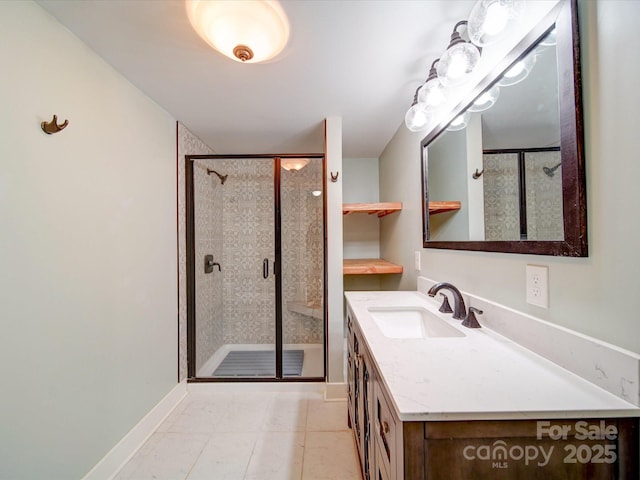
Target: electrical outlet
416 260
538 285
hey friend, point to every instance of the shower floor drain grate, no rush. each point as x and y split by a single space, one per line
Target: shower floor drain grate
260 363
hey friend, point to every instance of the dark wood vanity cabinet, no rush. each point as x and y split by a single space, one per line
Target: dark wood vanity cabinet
359 397
562 449
377 431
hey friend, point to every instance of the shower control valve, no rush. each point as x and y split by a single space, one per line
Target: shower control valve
209 264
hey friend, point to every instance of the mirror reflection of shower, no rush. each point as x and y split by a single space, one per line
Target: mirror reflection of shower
222 178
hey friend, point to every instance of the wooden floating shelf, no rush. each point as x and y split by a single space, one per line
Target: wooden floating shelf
380 209
442 207
369 266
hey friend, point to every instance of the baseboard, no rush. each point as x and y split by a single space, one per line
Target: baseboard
335 391
121 453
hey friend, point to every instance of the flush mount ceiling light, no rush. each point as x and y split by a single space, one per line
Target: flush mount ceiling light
459 61
293 164
431 94
248 31
489 19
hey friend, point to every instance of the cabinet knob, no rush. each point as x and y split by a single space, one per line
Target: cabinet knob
384 427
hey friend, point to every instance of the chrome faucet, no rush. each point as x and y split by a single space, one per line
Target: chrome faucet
459 310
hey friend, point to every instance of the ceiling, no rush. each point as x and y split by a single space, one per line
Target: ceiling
357 59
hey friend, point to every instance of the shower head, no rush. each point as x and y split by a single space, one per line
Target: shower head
550 172
222 178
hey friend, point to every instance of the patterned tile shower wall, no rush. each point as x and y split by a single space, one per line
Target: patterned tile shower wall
302 253
543 196
501 197
208 241
188 144
545 219
247 239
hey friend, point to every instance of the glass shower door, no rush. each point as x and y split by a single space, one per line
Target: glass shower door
256 290
302 257
235 303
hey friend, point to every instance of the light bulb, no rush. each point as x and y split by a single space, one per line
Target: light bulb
496 20
549 39
459 123
416 118
486 100
457 63
316 193
489 19
519 71
431 94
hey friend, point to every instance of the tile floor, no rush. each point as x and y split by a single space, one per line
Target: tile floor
249 434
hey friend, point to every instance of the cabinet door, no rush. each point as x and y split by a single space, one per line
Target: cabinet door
350 375
357 400
366 441
381 468
385 428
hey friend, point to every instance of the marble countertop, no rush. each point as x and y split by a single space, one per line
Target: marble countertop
480 376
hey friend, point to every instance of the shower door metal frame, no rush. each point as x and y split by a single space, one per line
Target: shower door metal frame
191 269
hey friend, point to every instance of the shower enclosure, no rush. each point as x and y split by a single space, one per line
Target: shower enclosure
255 267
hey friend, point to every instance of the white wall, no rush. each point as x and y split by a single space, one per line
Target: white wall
335 296
593 295
447 161
361 232
188 144
87 251
360 185
401 181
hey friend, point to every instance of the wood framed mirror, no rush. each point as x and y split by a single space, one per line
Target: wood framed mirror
513 180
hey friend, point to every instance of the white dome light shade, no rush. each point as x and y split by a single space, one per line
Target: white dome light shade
457 63
519 71
489 19
247 31
416 118
293 164
459 123
486 100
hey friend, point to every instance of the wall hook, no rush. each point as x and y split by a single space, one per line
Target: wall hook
52 126
334 178
477 174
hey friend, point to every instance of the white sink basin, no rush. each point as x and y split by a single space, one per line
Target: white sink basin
411 322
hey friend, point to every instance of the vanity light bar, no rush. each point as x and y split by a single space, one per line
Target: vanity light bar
488 22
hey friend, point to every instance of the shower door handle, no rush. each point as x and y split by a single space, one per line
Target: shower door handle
265 268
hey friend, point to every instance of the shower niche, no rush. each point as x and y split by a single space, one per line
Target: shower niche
259 314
